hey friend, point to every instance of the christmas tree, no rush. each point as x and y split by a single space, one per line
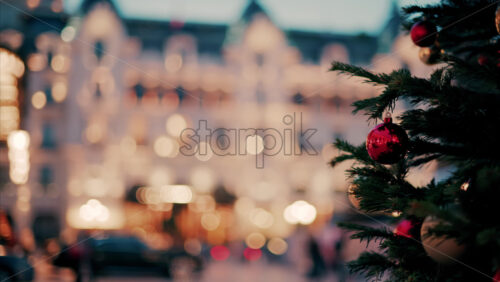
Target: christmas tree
447 230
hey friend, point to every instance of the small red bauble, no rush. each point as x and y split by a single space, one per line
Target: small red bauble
496 277
387 142
407 228
423 33
482 60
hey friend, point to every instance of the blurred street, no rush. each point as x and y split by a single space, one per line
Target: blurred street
227 271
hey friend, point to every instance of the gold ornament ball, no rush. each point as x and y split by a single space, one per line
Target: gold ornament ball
429 55
441 249
352 198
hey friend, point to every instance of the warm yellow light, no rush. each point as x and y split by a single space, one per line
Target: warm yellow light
93 210
94 132
175 125
9 120
18 140
166 147
396 213
277 246
23 194
8 94
56 6
255 240
7 79
151 195
23 206
32 3
18 176
179 194
210 221
39 100
128 145
37 62
263 191
95 187
173 63
10 63
300 212
262 36
261 218
160 176
203 179
68 34
74 188
244 205
60 63
203 203
255 144
95 215
59 91
18 155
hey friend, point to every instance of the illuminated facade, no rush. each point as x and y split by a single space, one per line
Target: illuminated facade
107 99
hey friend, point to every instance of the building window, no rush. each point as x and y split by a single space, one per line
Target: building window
48 137
4 176
298 99
46 176
99 50
181 93
139 91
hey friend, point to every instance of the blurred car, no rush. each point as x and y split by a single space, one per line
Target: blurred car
128 253
15 269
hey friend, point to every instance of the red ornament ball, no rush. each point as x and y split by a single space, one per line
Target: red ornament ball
423 33
482 60
387 142
496 277
407 228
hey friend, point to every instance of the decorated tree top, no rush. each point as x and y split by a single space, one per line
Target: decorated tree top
449 230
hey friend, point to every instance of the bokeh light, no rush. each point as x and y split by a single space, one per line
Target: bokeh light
175 125
203 179
166 147
59 91
93 210
261 218
173 63
252 254
178 194
277 246
255 240
300 212
255 144
39 100
210 221
68 33
220 253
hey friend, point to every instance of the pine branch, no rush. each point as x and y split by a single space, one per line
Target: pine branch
360 72
353 152
366 233
371 264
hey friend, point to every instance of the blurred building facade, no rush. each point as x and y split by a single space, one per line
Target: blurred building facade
105 98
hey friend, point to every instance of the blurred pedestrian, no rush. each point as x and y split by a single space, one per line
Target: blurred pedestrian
318 267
